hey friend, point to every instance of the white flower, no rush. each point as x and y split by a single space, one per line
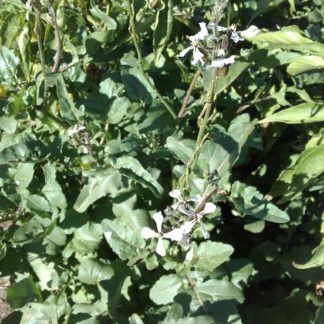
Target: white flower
77 128
148 233
182 204
195 39
219 63
181 234
220 52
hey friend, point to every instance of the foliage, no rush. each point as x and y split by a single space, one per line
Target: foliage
92 145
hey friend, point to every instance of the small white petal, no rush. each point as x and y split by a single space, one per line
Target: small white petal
185 241
174 235
209 208
221 62
221 29
158 218
197 57
107 235
176 194
185 51
235 37
187 226
203 31
250 32
220 52
148 233
160 248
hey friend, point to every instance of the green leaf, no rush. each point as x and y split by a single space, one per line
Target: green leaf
125 241
99 185
308 166
305 63
36 203
300 114
131 168
92 271
163 28
52 189
136 85
182 149
118 110
8 124
165 289
317 260
24 175
86 239
23 42
220 154
233 73
215 290
45 272
264 6
249 201
8 65
212 254
289 38
23 292
67 108
96 12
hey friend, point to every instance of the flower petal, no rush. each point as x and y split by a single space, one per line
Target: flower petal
221 28
185 51
197 56
203 31
158 218
209 208
160 250
250 32
176 194
174 235
235 37
148 233
221 62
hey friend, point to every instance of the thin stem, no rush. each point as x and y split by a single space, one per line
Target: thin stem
192 284
38 32
202 124
188 94
58 40
135 38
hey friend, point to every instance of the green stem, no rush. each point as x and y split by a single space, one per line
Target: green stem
202 124
38 32
140 59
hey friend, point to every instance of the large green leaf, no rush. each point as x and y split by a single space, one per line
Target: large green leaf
132 168
317 260
23 292
290 38
86 239
92 271
304 113
125 241
305 63
52 189
165 289
8 65
24 175
249 201
308 166
182 149
67 108
99 185
163 28
8 124
214 290
212 254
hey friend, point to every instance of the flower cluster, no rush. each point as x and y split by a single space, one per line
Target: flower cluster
180 234
214 57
